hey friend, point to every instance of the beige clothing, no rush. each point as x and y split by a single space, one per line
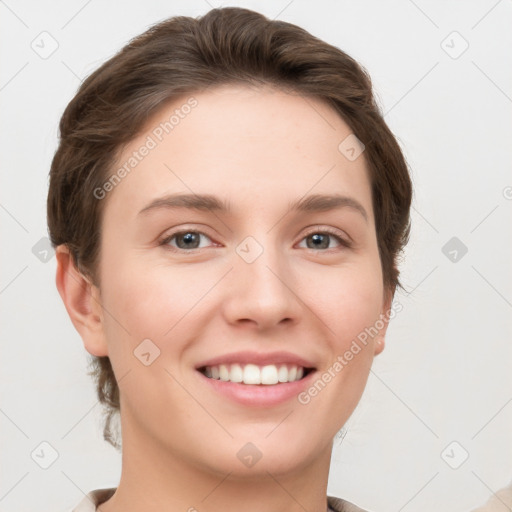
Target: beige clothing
500 501
98 496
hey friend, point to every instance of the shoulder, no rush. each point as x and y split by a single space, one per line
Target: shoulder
93 499
340 505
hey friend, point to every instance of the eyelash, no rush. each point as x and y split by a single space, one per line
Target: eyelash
324 231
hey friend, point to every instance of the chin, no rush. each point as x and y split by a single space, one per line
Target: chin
266 454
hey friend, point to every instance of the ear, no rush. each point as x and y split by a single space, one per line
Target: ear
380 338
82 301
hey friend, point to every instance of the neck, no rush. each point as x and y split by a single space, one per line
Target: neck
154 479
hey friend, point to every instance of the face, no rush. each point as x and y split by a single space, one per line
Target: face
258 272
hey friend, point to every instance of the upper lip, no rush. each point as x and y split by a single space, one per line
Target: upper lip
258 358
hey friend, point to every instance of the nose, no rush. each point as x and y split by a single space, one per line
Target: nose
262 293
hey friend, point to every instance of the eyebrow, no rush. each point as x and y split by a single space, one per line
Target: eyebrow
207 202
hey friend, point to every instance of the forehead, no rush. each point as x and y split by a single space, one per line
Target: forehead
240 142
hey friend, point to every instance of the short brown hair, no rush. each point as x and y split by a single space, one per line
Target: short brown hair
183 55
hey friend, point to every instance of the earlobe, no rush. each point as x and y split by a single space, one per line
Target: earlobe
82 301
380 343
380 339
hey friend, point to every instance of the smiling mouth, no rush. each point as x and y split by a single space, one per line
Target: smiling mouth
253 374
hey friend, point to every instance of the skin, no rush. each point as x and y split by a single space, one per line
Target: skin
259 149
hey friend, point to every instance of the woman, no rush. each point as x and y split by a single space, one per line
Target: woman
227 206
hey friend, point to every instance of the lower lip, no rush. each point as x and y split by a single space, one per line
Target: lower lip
259 395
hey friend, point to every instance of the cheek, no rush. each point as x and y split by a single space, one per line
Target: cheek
150 301
140 305
347 300
350 307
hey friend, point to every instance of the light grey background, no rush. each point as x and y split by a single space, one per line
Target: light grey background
445 373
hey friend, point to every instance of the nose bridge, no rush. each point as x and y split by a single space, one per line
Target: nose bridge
260 288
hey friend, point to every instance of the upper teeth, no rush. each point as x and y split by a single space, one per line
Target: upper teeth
253 374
